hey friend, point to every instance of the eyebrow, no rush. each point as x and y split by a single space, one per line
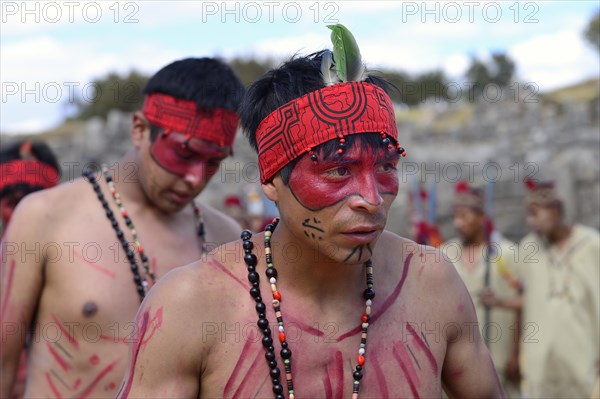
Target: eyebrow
343 161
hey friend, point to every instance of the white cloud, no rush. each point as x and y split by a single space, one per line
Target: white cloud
40 74
27 126
456 64
555 60
284 47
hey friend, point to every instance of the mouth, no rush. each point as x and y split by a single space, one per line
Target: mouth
363 234
180 198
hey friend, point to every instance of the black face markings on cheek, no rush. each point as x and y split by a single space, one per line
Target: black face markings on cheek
312 226
369 249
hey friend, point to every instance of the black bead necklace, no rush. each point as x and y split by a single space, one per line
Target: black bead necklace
140 282
286 353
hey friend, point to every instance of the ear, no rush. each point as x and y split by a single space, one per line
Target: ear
140 128
270 189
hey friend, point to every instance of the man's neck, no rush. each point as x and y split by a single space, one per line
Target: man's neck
474 241
309 271
560 234
126 178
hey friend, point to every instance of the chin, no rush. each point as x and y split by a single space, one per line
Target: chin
170 207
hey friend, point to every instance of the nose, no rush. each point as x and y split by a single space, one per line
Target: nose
457 222
368 198
195 177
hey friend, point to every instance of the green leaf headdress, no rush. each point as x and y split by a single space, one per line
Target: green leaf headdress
344 64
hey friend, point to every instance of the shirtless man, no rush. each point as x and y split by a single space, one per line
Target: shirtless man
302 294
77 259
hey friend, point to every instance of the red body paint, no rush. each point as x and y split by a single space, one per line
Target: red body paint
142 322
63 330
53 388
355 172
406 365
457 373
61 362
221 267
85 393
94 359
375 367
423 347
252 356
389 301
335 375
97 266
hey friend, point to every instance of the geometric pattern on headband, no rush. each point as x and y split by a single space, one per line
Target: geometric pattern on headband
331 112
172 114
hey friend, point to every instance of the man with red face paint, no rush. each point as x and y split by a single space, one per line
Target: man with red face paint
293 311
78 259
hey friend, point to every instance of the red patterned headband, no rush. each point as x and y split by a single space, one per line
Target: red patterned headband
31 172
182 116
317 117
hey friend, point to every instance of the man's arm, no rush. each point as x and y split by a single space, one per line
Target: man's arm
21 283
468 370
166 354
488 297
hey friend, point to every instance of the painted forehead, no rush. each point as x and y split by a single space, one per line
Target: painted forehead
196 145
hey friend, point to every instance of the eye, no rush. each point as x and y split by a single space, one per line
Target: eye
184 153
388 167
339 172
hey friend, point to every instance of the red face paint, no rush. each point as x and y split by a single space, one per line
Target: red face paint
177 155
355 172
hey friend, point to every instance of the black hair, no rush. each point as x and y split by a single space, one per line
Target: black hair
209 82
295 78
39 150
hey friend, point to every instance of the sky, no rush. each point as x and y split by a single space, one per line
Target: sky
51 51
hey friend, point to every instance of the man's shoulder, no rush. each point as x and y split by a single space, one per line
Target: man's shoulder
190 286
396 245
52 204
432 262
587 232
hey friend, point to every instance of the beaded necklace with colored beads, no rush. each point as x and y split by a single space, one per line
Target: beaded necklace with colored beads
286 354
140 282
